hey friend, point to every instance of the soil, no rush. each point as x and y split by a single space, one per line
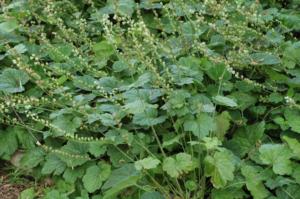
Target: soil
8 190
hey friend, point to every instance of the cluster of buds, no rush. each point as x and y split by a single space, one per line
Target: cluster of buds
63 153
75 137
290 101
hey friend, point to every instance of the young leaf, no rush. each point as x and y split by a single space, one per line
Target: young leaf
146 163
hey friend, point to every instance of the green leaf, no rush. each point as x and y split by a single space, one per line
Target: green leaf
9 143
254 181
74 153
53 165
244 100
8 26
220 168
52 193
201 126
278 156
229 193
103 50
59 52
296 173
65 124
264 59
182 163
27 194
222 124
292 117
71 174
146 163
245 139
24 137
107 119
32 158
290 55
293 141
12 80
122 7
217 72
120 179
225 101
85 82
148 118
95 176
152 195
97 148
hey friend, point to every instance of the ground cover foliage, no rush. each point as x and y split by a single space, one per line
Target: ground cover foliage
152 99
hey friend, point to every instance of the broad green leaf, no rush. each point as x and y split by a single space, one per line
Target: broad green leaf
9 143
211 143
278 156
53 193
8 26
146 163
201 126
53 165
296 172
97 148
177 103
27 194
148 118
244 100
225 101
12 80
25 139
107 119
223 124
103 50
229 193
264 59
95 176
122 7
120 179
71 174
59 52
32 158
293 141
85 82
254 181
245 139
65 124
74 153
178 165
152 195
290 55
292 118
220 168
217 72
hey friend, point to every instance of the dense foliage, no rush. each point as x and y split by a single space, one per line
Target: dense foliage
152 99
